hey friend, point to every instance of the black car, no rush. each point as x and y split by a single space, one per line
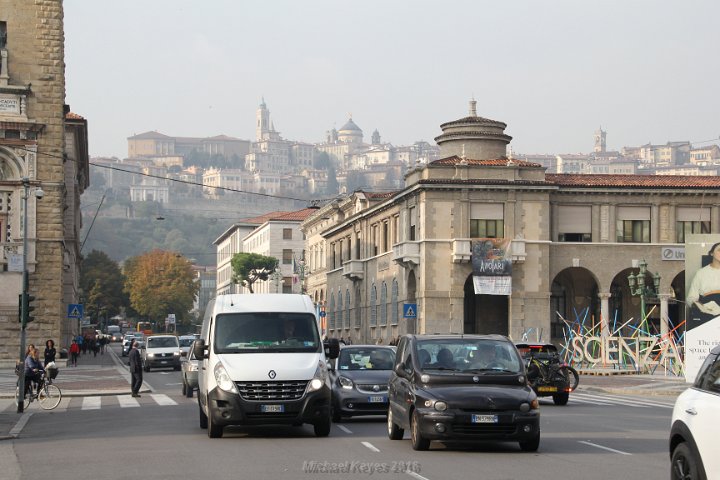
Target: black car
461 388
360 381
547 374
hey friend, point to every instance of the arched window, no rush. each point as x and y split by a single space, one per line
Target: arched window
339 322
347 309
383 304
373 306
394 303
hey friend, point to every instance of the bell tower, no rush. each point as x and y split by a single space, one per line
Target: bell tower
600 146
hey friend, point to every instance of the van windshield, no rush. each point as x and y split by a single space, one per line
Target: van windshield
266 331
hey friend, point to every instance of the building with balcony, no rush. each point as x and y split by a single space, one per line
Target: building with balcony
572 239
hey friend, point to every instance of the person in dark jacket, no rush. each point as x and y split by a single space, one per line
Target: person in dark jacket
49 352
33 369
135 369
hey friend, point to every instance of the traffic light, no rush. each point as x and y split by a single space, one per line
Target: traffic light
20 302
27 300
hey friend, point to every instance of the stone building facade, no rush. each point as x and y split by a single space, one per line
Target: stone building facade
41 141
574 239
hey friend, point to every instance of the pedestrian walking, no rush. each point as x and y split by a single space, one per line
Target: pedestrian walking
135 370
74 352
50 352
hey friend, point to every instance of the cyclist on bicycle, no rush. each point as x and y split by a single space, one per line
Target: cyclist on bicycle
33 369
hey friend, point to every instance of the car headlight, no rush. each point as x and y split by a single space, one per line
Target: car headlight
176 354
150 355
345 382
319 378
223 379
438 405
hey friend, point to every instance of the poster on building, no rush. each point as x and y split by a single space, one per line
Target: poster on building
492 266
702 297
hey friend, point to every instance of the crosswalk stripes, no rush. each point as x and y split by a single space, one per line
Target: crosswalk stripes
613 400
91 403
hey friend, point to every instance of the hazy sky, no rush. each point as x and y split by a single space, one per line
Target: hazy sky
645 70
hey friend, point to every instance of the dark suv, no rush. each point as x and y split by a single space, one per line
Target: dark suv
461 388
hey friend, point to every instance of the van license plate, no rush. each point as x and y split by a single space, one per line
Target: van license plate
378 399
272 408
484 419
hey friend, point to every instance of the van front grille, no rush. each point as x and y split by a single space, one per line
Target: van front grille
282 390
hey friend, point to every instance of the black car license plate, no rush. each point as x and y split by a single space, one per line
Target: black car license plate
484 418
272 408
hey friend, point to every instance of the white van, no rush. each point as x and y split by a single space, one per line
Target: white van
261 361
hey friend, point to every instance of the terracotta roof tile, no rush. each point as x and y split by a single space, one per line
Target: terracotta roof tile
634 181
73 116
298 215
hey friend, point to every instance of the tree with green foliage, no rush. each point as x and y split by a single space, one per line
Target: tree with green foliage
102 282
248 268
159 283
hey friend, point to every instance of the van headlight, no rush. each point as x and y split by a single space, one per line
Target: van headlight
223 379
319 378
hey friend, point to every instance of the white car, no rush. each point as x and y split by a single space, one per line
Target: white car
161 351
695 419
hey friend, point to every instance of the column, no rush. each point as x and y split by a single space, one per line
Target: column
664 297
604 313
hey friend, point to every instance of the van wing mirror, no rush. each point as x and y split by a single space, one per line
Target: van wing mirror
332 348
199 349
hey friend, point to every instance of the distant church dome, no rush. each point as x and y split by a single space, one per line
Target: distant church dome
350 133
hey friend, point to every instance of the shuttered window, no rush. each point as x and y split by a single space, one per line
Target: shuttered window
574 223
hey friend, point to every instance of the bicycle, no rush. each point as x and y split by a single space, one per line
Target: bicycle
552 377
48 396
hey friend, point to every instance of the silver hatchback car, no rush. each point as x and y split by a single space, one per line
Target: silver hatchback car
189 367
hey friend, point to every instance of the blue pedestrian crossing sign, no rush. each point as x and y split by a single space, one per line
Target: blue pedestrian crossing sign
410 310
75 310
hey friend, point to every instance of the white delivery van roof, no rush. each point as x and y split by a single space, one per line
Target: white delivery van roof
263 302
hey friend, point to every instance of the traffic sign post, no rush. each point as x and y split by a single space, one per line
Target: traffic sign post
410 310
75 310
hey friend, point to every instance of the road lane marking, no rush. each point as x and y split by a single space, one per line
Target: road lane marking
371 446
126 401
15 431
589 402
162 399
416 475
641 401
91 403
604 448
614 401
345 429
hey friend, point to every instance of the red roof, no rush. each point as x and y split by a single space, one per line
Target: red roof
298 216
635 181
73 116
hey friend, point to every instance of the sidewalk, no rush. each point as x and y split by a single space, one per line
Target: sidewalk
634 384
104 374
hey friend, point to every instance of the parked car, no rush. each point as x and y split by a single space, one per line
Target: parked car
547 374
461 388
189 367
695 418
359 381
161 351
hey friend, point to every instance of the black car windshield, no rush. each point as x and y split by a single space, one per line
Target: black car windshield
186 342
476 355
266 331
366 358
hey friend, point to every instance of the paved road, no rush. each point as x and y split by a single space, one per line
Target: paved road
598 435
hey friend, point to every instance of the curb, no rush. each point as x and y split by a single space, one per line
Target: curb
632 391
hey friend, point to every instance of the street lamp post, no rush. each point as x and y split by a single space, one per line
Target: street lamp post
302 268
638 288
25 295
